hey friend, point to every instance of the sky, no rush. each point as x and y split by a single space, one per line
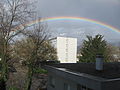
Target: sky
107 11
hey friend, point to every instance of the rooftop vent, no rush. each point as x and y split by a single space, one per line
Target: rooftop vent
99 62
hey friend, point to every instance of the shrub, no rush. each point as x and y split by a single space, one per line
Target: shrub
40 70
13 88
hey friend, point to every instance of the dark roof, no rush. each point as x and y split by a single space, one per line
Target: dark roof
110 71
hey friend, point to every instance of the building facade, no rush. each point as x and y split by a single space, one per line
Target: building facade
83 76
67 49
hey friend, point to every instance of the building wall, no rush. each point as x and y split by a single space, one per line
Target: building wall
67 49
79 81
111 85
59 83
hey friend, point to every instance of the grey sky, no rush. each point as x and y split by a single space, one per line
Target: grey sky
107 11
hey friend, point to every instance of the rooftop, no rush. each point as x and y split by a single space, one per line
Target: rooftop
110 71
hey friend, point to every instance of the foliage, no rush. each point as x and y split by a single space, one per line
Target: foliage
36 37
92 47
13 88
40 71
13 15
113 53
34 47
24 47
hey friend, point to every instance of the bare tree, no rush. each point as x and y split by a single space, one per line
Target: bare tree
37 37
13 16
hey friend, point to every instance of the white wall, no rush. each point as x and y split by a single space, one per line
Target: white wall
66 49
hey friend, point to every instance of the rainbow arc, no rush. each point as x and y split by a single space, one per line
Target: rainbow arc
51 19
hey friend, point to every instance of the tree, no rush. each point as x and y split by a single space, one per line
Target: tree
23 49
37 47
47 51
94 46
113 52
13 16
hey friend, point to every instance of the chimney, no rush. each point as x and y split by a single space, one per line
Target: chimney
99 62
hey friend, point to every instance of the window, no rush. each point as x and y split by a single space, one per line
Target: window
52 81
66 86
81 87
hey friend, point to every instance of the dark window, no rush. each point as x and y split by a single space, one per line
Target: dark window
52 81
66 86
81 87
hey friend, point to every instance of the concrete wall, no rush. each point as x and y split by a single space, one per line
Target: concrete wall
111 85
71 79
59 83
62 76
67 49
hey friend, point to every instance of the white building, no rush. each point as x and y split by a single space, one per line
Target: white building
67 49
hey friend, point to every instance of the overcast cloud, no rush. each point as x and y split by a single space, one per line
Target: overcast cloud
107 11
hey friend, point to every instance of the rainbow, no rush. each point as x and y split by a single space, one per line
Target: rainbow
51 19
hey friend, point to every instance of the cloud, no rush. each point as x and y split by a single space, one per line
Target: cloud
107 11
62 34
80 31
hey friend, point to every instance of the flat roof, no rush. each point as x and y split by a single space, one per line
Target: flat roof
110 70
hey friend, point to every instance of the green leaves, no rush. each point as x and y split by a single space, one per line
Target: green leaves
40 71
13 88
92 47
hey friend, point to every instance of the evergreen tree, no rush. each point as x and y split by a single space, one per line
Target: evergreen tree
93 46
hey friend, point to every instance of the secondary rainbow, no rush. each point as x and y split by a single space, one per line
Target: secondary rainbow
51 19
